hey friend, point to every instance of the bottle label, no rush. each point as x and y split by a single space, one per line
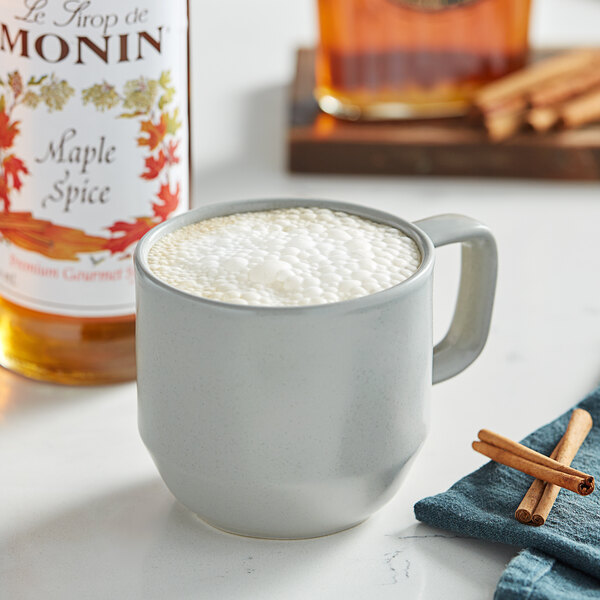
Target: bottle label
93 146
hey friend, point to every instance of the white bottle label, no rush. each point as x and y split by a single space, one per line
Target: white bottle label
93 146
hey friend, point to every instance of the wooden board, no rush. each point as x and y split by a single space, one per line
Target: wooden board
319 143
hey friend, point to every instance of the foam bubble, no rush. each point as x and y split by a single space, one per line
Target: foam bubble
284 257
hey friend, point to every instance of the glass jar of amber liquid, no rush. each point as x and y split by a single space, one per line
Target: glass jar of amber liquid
94 152
394 59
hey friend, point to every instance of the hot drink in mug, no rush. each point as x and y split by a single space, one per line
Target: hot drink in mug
285 356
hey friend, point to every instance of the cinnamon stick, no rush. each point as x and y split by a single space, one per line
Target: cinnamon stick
521 82
543 119
510 105
580 485
517 456
577 430
527 507
21 222
503 125
504 443
565 87
581 110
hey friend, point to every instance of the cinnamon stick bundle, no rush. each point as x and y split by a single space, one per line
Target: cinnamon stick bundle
521 82
526 460
561 90
539 499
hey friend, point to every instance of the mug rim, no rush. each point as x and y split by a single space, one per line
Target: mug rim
225 208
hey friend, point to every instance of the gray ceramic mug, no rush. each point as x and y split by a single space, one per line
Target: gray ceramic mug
293 422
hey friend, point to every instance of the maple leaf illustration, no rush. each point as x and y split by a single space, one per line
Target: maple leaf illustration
13 168
4 192
154 166
131 233
15 82
172 158
9 130
156 132
170 201
172 122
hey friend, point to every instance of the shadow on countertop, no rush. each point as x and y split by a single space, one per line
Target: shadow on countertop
139 543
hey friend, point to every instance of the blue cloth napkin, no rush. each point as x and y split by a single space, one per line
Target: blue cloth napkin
562 558
533 575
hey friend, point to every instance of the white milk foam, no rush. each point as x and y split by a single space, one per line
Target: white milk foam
284 257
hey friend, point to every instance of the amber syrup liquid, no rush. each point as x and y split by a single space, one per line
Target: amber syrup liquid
383 58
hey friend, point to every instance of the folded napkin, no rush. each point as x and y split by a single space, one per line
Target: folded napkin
533 575
562 558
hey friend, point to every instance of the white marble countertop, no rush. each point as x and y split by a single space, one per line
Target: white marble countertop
83 512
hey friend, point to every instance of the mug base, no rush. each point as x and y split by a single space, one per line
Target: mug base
264 535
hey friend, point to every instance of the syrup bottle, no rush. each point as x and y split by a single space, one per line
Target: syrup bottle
94 152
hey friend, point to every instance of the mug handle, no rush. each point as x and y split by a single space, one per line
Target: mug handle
470 325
